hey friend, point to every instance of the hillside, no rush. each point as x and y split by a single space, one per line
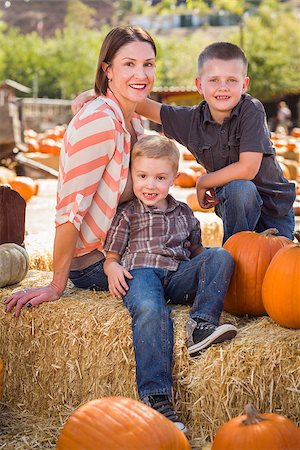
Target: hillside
45 16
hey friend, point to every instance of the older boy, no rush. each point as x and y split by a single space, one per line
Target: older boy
155 256
228 134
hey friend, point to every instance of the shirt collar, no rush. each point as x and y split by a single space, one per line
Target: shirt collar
141 207
113 104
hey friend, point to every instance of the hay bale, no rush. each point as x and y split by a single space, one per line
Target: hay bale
65 353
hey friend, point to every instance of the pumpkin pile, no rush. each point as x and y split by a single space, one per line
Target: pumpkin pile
254 431
49 142
115 423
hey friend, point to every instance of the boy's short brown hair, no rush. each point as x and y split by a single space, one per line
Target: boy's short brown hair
156 146
222 50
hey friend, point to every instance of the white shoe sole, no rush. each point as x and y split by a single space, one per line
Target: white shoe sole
221 334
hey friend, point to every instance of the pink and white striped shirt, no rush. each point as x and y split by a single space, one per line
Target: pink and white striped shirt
94 164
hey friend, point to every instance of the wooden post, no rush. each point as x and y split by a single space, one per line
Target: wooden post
12 216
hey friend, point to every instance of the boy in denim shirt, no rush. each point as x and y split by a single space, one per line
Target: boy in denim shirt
155 256
228 134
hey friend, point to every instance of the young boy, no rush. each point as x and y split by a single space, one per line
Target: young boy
155 256
228 134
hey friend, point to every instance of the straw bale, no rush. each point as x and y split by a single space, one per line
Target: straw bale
65 353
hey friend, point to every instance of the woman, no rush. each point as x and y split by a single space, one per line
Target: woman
94 165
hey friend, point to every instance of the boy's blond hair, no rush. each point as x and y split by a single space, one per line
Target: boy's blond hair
222 50
156 146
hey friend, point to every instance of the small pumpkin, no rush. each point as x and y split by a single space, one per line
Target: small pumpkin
14 264
186 178
253 431
50 146
281 286
295 132
115 423
193 203
25 186
252 253
1 378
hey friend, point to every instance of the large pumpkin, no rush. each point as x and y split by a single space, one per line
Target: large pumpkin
14 264
25 186
252 253
251 431
119 423
281 287
1 378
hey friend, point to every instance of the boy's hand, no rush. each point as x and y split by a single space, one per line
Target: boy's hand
206 198
116 275
81 99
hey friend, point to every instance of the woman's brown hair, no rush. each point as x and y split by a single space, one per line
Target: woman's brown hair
114 40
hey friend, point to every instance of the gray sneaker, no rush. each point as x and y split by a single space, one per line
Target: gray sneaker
203 334
162 404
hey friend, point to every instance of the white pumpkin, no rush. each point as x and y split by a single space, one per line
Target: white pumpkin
14 264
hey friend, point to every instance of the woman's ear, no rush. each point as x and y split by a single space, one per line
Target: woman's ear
106 69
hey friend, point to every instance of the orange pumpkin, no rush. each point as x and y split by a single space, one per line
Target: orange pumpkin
295 132
25 186
1 378
281 286
254 431
50 146
186 178
193 203
187 156
115 423
252 253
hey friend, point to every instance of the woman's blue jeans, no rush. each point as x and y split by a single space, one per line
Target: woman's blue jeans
203 280
240 209
93 277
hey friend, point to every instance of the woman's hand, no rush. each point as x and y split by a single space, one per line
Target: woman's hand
31 297
81 99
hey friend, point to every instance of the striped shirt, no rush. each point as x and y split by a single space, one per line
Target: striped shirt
94 164
145 236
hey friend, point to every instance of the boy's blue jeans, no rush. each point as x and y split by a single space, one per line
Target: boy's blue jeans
203 280
240 209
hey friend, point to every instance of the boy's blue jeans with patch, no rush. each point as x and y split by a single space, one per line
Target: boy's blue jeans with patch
203 280
240 209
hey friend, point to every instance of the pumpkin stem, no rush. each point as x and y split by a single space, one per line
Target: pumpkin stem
252 415
297 235
269 232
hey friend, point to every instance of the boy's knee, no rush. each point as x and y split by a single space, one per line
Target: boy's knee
223 256
241 192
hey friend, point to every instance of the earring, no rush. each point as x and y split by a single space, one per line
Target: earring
110 80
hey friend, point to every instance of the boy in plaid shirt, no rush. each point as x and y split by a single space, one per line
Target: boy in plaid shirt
155 256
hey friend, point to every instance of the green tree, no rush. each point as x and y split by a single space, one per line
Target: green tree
271 42
79 13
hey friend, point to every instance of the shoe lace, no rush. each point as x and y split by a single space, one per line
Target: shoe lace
205 326
164 407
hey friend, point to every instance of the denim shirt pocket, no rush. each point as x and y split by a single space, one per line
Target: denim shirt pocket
205 157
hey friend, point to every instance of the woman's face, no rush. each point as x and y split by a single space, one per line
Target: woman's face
132 72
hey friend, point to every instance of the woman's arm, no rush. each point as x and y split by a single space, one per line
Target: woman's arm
64 245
